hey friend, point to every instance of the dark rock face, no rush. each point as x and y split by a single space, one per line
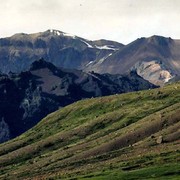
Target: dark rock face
29 96
4 131
20 102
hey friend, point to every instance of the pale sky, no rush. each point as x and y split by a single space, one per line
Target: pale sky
119 20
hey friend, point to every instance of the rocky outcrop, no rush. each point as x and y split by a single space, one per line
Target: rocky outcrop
159 140
153 71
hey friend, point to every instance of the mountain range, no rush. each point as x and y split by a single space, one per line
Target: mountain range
28 97
63 50
156 59
58 124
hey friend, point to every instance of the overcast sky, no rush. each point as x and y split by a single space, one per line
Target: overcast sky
120 20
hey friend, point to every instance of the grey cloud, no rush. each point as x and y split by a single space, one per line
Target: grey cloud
121 20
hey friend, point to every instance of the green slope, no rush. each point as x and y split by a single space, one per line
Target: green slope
128 136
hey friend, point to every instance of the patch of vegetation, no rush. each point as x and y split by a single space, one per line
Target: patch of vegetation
127 136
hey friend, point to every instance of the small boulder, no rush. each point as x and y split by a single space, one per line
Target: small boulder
159 140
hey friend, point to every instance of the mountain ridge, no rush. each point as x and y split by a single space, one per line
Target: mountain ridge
102 56
33 94
143 50
62 49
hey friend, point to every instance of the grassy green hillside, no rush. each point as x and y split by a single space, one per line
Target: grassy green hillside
127 136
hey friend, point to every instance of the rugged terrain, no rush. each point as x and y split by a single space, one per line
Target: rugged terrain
128 136
156 59
28 97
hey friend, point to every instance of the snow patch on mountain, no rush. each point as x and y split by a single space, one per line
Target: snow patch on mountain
59 33
89 46
89 63
104 58
106 47
69 35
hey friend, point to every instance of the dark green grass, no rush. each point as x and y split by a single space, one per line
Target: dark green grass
112 137
163 172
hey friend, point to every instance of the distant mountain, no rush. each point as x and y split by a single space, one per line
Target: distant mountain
156 59
29 96
126 137
63 50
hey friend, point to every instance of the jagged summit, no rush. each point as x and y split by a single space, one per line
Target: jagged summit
41 63
159 40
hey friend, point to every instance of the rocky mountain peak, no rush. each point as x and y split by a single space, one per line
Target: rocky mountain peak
159 40
47 33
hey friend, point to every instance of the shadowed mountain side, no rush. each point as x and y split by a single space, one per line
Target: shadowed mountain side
33 94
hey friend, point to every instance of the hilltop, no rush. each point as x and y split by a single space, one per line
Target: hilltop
128 136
